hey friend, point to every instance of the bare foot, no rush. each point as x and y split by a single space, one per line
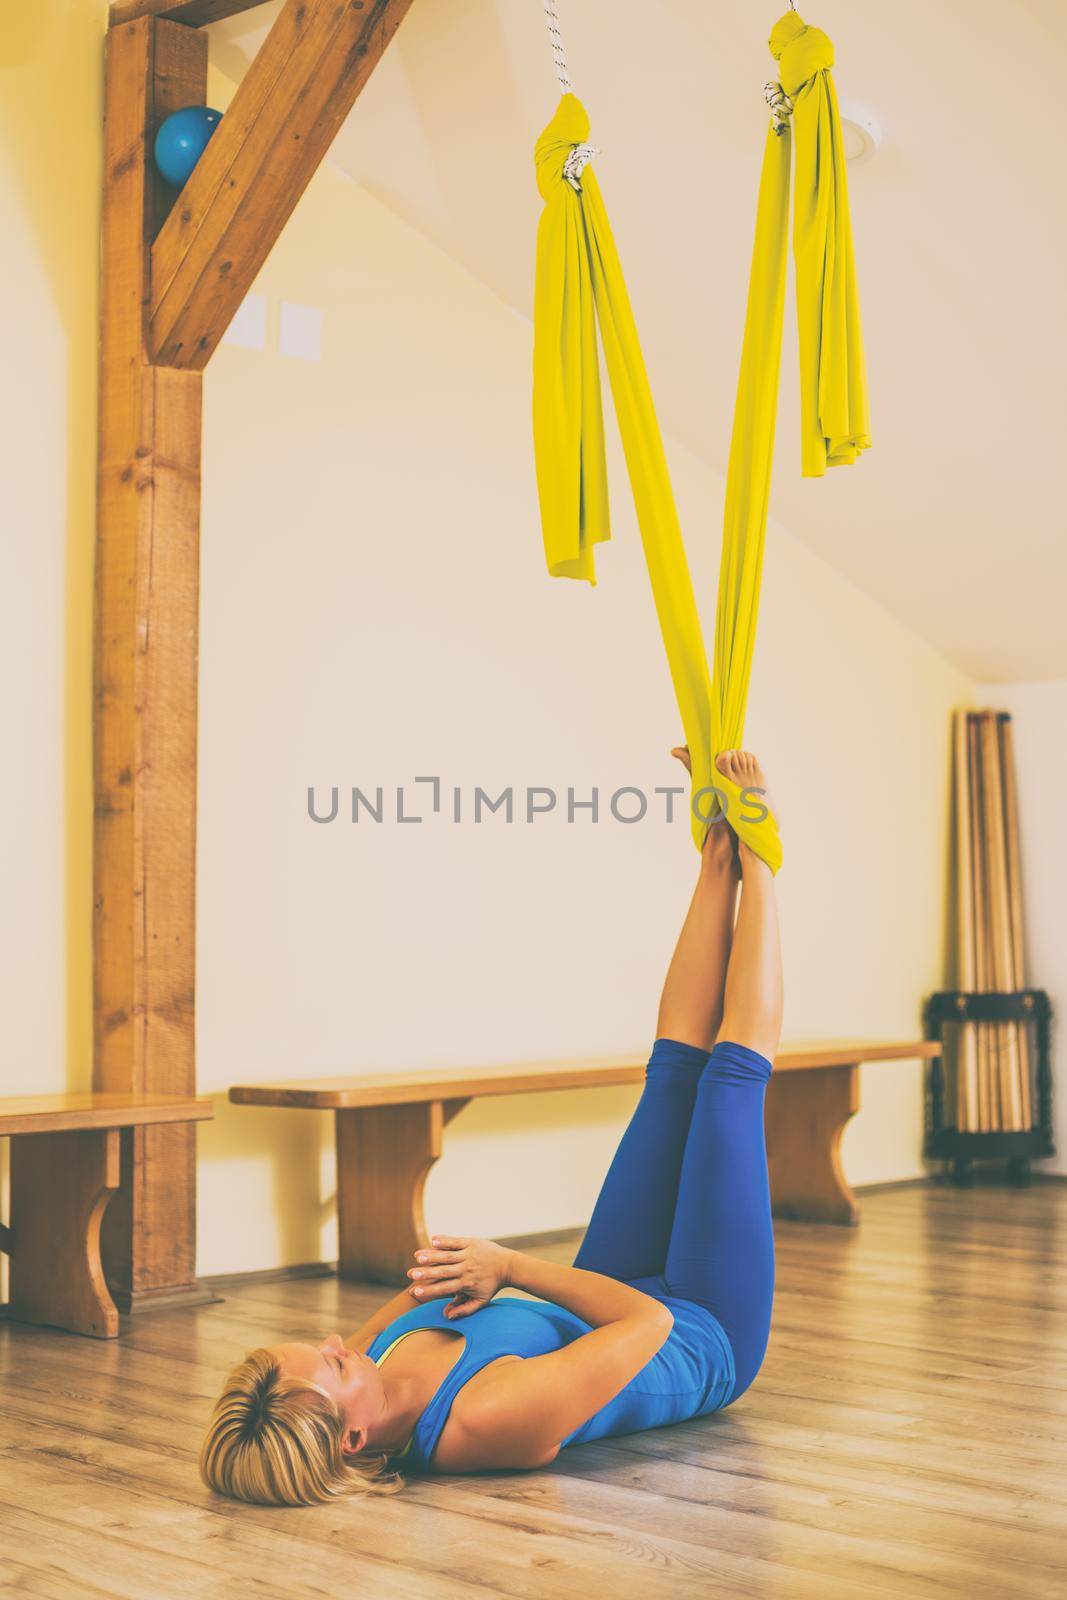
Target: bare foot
743 768
720 843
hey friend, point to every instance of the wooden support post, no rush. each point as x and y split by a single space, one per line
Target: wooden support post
384 1154
174 272
60 1186
145 674
805 1118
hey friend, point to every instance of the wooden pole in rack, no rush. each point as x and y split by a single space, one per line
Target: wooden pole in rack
966 1037
1002 964
981 929
1015 905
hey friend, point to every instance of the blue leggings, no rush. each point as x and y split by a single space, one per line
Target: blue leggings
686 1200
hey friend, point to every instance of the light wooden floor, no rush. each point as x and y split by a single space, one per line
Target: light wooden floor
906 1438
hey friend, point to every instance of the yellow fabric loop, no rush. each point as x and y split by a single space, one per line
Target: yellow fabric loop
833 385
580 284
569 126
579 279
785 30
802 51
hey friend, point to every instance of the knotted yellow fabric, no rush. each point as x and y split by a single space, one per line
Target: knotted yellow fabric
833 383
580 284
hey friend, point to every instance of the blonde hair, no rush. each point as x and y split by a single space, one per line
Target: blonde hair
276 1440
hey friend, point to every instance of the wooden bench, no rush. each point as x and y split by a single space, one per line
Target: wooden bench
390 1127
64 1170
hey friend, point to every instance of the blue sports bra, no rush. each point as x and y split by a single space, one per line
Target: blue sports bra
691 1375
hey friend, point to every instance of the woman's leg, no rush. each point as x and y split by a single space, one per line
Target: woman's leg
630 1228
691 1005
721 1251
752 1012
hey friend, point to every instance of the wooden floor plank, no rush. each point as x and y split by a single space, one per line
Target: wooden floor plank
905 1440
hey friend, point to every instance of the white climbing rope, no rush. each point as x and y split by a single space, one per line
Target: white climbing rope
776 97
555 38
582 154
780 104
576 163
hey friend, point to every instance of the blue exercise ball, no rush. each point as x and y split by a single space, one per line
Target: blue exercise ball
182 140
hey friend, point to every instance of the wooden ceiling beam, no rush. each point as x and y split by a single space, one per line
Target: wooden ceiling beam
282 120
193 12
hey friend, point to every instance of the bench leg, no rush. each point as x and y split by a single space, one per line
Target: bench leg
384 1154
806 1116
60 1186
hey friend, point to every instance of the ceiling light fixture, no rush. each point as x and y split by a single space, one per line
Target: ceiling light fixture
861 131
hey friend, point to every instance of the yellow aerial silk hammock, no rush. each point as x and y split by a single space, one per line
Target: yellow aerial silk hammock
580 283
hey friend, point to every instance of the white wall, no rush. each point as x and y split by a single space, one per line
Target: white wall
50 55
50 152
1039 720
375 607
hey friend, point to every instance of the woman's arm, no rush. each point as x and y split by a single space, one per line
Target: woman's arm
593 1296
470 1271
521 1413
396 1307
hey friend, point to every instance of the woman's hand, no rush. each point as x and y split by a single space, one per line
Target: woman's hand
469 1270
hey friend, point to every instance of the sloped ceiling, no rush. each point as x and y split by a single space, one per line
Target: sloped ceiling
954 520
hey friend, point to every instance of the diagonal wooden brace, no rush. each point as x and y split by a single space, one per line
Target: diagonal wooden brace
282 120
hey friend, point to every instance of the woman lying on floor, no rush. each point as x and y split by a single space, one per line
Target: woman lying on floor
664 1315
